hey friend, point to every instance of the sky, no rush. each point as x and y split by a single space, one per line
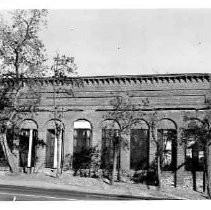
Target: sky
128 42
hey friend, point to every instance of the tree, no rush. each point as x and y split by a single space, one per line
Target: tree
63 66
22 55
162 151
125 113
197 137
158 156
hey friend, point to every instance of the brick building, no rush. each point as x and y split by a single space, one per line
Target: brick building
80 111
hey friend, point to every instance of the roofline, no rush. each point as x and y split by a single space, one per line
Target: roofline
107 78
145 75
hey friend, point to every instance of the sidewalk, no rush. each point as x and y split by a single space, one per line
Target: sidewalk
68 182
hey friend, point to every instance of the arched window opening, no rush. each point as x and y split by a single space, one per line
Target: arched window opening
81 143
167 138
55 144
27 144
110 129
194 149
82 135
139 146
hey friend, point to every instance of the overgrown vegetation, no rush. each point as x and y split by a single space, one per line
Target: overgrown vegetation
86 162
22 59
196 137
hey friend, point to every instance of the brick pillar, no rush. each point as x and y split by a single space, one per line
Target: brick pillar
96 136
125 152
68 142
152 146
68 139
16 151
180 160
41 150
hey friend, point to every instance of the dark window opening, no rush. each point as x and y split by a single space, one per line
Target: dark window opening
82 139
194 156
107 150
50 148
139 149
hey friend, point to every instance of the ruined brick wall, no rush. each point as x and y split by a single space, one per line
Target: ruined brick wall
171 96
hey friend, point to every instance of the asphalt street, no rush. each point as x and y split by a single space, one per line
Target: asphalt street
22 193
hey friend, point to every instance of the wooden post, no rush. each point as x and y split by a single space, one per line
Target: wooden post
30 148
59 149
114 164
55 152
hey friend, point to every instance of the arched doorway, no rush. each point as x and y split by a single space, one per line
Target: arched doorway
81 141
139 145
54 144
167 138
194 148
27 143
109 129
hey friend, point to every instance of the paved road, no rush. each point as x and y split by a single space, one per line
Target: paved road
19 193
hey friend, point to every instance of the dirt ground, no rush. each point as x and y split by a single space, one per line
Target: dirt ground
69 182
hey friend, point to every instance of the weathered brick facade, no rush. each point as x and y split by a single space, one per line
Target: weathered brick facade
171 96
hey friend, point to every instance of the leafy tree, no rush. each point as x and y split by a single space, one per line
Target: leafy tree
197 136
161 149
22 55
22 52
125 113
128 114
158 155
63 66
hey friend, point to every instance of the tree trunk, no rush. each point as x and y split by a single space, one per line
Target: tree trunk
158 172
59 149
119 163
193 168
11 159
114 165
204 179
194 179
207 170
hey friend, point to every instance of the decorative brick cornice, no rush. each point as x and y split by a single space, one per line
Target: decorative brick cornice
119 79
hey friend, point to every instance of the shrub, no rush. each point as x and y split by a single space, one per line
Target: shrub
67 164
147 176
86 163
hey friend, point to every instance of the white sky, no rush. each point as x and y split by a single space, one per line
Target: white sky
110 42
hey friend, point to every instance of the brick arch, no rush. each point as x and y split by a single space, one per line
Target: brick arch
50 123
166 123
28 124
141 124
110 123
193 120
83 119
